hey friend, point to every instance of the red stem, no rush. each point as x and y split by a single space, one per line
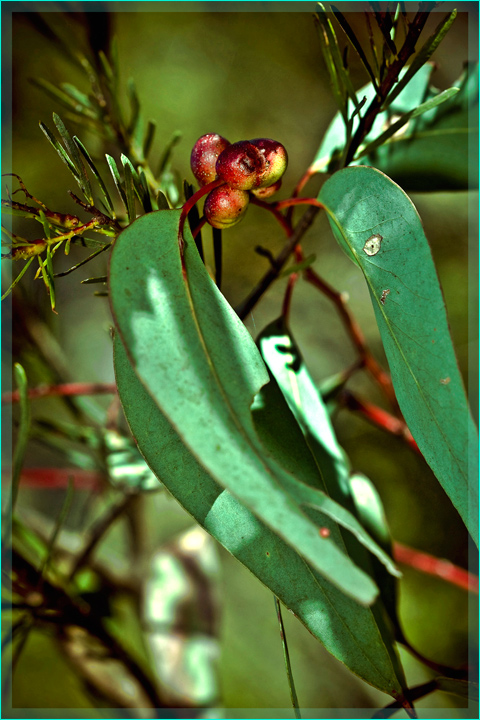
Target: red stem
298 189
58 478
380 418
62 390
337 298
435 566
299 201
191 202
272 208
353 329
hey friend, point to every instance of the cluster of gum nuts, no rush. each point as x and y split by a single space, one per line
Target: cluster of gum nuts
248 166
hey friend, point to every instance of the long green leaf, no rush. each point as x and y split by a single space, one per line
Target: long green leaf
354 492
378 227
344 627
203 370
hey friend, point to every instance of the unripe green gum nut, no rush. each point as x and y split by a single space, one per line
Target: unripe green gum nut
225 206
204 157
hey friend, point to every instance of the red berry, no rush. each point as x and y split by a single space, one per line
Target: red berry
276 160
240 165
262 193
225 206
204 156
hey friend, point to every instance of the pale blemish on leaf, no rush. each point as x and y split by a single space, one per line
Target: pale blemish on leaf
372 246
445 381
384 296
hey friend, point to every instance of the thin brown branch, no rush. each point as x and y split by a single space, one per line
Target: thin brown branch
272 274
407 49
66 389
98 531
287 300
60 609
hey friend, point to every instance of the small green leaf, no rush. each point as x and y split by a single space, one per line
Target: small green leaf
129 189
64 98
72 150
148 140
336 56
94 280
116 177
342 21
63 155
134 105
96 174
424 54
167 153
145 195
379 229
83 262
18 278
404 119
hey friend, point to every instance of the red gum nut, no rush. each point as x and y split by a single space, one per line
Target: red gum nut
225 206
204 157
276 160
240 165
262 193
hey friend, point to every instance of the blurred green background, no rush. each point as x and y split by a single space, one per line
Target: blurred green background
248 70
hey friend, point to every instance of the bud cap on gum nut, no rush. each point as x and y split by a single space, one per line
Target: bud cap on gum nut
225 206
204 157
276 160
240 165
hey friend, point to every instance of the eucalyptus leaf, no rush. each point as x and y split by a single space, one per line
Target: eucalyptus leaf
378 227
354 492
202 368
344 627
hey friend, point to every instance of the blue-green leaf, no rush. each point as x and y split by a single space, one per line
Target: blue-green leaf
378 227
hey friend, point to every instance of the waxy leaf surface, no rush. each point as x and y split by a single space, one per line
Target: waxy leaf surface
355 492
203 369
379 229
187 374
347 629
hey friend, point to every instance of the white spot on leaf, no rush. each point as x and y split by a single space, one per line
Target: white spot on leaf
445 381
372 246
384 296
